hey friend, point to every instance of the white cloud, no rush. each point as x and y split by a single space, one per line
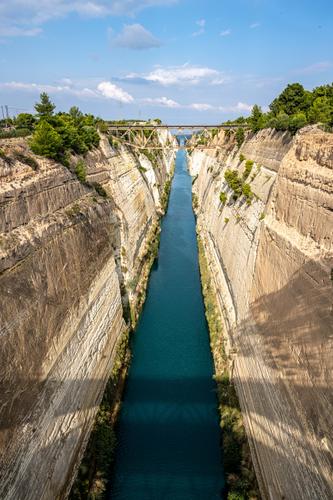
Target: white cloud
104 90
112 91
201 106
318 67
178 75
225 32
135 36
202 24
162 101
239 107
23 17
254 25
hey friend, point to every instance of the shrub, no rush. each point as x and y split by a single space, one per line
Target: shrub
223 198
81 171
9 134
242 157
262 216
297 121
240 136
46 141
234 182
25 120
247 191
248 169
226 220
2 154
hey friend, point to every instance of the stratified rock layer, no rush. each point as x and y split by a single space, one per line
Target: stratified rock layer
272 267
67 255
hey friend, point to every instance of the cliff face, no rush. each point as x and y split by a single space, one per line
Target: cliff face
67 258
272 263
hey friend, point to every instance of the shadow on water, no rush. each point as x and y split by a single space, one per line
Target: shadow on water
168 432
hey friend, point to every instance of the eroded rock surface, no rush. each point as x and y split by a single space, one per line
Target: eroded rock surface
67 258
272 267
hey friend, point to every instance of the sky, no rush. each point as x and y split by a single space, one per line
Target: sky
189 61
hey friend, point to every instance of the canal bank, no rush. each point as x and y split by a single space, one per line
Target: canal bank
168 433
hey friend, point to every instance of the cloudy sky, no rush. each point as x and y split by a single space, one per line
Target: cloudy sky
180 60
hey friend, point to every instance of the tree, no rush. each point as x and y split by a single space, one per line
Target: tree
46 141
321 110
45 107
76 114
256 118
25 120
296 122
292 100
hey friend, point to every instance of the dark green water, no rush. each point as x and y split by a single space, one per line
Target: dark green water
168 432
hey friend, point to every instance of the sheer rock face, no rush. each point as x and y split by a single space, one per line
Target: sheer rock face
272 267
65 255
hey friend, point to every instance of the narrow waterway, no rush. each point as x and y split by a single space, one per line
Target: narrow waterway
168 432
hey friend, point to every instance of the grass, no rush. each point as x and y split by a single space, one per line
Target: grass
240 477
27 160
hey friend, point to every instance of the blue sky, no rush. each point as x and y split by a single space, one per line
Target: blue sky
180 60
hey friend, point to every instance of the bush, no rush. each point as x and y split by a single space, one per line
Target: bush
242 157
247 192
25 121
223 198
46 141
9 134
81 171
234 182
248 169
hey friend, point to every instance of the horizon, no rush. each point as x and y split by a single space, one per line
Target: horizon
177 60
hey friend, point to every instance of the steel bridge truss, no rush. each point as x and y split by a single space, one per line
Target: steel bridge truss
143 137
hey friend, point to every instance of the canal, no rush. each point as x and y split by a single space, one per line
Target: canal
168 431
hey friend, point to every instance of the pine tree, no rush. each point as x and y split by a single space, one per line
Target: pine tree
45 107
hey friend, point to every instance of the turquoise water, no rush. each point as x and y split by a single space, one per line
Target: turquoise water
168 432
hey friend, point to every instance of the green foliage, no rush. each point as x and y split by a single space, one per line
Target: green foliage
56 136
240 136
294 108
45 107
242 157
262 216
81 171
2 154
292 100
223 198
9 134
226 220
25 121
256 118
248 169
247 192
234 182
46 141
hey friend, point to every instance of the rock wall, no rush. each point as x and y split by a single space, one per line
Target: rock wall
272 264
67 256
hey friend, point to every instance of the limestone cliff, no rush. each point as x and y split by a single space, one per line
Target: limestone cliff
271 260
68 255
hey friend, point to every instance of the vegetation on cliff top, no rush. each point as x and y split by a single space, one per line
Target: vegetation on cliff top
294 108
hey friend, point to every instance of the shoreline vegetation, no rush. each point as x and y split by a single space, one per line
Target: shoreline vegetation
241 482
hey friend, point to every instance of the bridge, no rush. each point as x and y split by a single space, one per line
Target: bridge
144 135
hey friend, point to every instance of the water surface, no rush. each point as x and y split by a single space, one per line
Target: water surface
168 432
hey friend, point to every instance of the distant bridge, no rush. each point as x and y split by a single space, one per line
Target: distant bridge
143 136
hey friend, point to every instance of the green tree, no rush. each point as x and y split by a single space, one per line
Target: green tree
25 120
321 110
46 141
256 118
240 136
296 122
45 107
292 100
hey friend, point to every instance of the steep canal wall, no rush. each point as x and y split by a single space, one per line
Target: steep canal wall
73 259
269 252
